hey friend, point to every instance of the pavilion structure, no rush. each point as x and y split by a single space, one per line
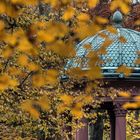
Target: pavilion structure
120 54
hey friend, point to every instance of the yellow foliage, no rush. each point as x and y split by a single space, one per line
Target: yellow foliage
137 98
61 108
25 2
67 99
62 49
28 106
1 25
130 105
13 83
44 103
83 17
53 31
124 94
123 5
123 69
23 60
69 13
101 20
125 8
137 22
4 81
112 29
14 71
32 66
77 113
76 73
84 29
24 45
122 39
2 7
52 77
87 46
7 82
7 53
92 3
53 3
107 43
137 61
11 39
94 73
38 80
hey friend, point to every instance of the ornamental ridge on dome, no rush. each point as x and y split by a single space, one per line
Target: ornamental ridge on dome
118 53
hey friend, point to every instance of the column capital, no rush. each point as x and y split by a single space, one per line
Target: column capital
118 110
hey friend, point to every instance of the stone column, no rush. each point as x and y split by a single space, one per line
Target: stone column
117 122
120 122
82 134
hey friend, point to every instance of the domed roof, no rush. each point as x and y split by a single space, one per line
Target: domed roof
123 50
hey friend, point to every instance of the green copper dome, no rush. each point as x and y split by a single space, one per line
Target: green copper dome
118 52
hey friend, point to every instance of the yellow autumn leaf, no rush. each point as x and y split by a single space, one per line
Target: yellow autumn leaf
125 8
28 106
14 71
61 108
4 82
94 73
8 52
69 13
130 105
46 36
67 99
103 35
122 39
23 60
10 39
137 98
137 22
92 3
102 51
88 99
107 43
53 3
24 45
38 80
77 113
87 46
123 69
43 102
53 31
112 29
101 20
137 61
124 94
2 25
2 7
114 5
25 2
52 77
33 67
85 29
62 49
76 73
13 83
83 17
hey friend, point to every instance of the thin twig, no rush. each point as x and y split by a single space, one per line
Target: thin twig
23 81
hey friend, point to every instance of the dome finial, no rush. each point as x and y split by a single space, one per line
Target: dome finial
117 17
